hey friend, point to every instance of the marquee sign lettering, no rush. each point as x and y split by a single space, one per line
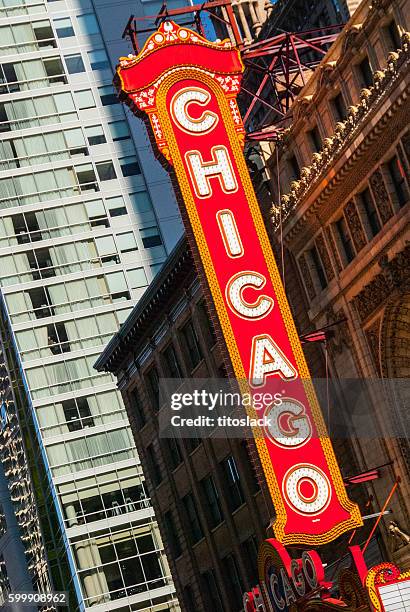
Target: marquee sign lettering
299 585
283 580
186 87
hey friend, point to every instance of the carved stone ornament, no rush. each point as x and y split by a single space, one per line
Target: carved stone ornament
324 256
355 225
268 7
406 145
341 334
299 107
373 339
307 279
376 5
372 296
381 197
332 147
395 276
326 73
333 249
350 38
401 537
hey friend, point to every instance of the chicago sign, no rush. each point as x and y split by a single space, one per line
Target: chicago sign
186 88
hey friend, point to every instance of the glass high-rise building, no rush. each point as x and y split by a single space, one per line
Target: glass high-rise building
86 219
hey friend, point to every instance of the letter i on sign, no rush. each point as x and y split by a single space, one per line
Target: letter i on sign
185 87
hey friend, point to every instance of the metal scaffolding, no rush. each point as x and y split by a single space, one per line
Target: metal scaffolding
276 68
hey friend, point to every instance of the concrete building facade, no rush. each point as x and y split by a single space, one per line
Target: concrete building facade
87 217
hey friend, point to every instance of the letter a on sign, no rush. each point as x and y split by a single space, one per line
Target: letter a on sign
185 87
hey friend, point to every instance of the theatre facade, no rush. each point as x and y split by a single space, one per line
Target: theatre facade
228 509
343 221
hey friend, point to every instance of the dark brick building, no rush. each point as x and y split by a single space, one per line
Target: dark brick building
211 510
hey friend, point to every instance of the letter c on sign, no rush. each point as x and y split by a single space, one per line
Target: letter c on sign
277 598
180 113
253 602
234 296
297 577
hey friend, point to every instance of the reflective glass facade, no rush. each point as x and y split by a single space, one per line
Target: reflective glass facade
80 240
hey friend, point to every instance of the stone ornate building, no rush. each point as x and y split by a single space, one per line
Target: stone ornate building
342 219
250 16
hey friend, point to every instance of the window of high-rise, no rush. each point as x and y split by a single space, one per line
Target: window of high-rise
80 240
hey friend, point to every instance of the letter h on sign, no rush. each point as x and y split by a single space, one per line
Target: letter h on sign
186 87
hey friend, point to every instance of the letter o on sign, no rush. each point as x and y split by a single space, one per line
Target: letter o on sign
309 570
307 489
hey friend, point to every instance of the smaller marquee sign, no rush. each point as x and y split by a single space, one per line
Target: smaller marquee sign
299 585
389 588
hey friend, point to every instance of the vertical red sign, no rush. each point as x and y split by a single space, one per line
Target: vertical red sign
187 86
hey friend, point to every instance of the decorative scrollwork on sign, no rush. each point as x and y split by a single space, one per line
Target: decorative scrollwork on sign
229 84
156 126
145 99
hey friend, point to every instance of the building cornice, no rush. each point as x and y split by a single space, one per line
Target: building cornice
341 54
320 179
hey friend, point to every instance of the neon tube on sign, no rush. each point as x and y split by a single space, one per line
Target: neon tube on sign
187 88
